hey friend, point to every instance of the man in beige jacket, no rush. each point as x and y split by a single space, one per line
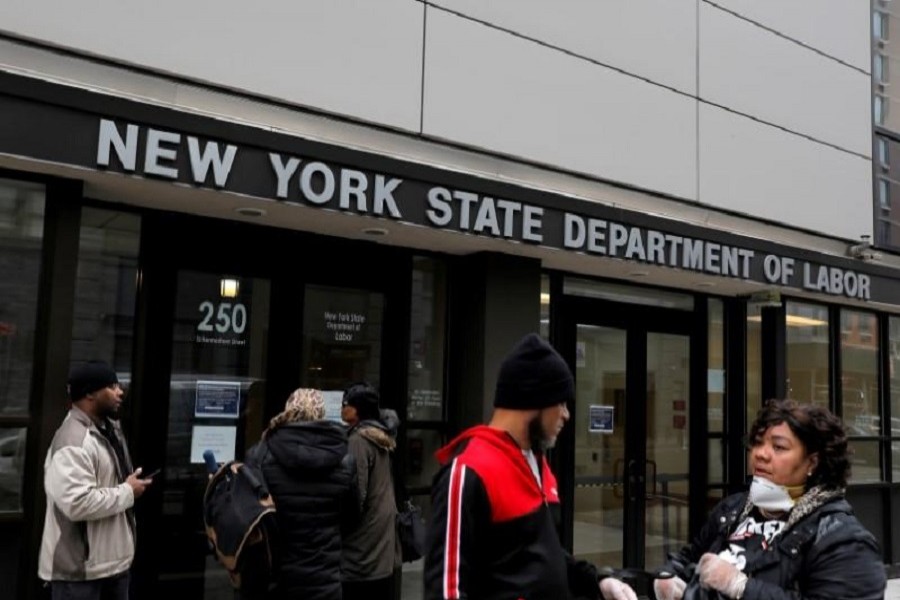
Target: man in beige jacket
89 530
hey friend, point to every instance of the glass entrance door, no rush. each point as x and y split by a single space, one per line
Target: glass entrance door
631 453
218 400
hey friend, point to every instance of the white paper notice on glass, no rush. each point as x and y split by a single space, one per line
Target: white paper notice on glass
219 439
333 399
715 381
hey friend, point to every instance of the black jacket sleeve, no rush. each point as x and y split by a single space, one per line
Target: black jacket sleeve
583 578
460 514
844 562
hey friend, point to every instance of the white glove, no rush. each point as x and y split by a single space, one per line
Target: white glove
613 589
669 589
720 575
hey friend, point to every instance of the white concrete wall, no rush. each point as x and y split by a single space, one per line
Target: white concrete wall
838 28
655 39
507 94
779 176
759 107
354 57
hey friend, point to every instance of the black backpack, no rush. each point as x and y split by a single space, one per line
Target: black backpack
239 517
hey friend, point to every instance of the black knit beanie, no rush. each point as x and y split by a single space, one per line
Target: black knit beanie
364 398
533 376
90 377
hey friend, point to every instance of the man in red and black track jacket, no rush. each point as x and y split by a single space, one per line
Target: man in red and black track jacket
492 534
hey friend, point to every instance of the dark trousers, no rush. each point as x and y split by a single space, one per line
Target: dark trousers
374 589
108 588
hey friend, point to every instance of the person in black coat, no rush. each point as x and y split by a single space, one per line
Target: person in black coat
793 535
312 480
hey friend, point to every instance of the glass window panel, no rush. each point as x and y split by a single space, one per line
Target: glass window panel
894 368
545 307
865 461
427 340
421 464
859 377
341 337
754 361
411 583
12 462
599 501
21 233
807 353
106 288
716 374
716 460
883 155
626 293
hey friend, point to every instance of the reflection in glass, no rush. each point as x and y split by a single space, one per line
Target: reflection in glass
754 361
627 293
545 307
716 373
106 288
427 326
599 454
807 353
865 461
216 401
421 464
859 393
12 462
21 232
668 386
894 374
341 337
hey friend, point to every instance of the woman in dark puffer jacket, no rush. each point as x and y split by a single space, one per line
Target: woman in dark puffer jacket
793 536
312 480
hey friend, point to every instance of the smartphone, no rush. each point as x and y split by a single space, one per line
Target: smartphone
151 475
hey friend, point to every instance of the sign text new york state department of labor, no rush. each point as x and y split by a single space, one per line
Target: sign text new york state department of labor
181 157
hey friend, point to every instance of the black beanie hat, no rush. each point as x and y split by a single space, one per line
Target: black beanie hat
90 377
533 376
364 398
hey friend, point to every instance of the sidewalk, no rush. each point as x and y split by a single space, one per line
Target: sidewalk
893 590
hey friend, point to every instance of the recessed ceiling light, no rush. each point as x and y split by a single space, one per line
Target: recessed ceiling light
705 284
375 231
638 273
249 211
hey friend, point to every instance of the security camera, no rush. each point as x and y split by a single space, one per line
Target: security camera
864 252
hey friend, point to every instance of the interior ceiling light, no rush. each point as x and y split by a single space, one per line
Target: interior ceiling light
639 273
794 321
250 211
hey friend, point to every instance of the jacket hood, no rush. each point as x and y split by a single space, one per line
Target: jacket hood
308 445
380 433
497 438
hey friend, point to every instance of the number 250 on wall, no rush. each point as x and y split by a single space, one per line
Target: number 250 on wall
228 317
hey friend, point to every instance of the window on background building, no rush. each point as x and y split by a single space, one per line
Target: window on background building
880 109
21 235
106 289
884 156
880 68
884 193
426 428
807 353
879 25
859 393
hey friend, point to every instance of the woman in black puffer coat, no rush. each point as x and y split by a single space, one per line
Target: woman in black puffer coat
793 536
312 480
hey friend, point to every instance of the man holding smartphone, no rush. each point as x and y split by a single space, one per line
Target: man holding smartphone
89 529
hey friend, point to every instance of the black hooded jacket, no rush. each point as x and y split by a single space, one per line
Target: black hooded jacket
825 554
312 481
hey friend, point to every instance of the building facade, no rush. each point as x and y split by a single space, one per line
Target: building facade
228 201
